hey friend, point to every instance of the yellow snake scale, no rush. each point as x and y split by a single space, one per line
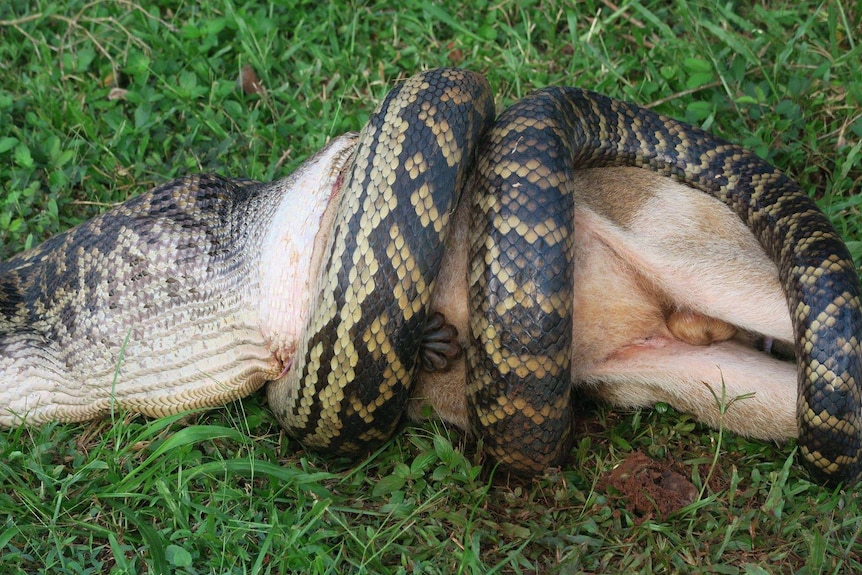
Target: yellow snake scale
347 383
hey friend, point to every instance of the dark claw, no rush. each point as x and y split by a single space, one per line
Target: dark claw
775 348
440 345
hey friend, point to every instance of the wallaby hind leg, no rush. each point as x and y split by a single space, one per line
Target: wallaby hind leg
672 294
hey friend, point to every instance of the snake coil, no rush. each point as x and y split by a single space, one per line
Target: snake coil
532 147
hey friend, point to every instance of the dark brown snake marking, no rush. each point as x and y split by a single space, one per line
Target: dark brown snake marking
355 364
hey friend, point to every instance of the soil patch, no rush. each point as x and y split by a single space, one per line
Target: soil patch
649 488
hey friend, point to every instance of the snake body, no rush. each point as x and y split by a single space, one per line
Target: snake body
533 147
383 256
342 382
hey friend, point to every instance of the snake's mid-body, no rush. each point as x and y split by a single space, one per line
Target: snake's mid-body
204 285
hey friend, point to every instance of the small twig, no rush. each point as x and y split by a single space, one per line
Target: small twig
283 158
92 203
18 21
676 95
16 25
631 19
839 133
643 43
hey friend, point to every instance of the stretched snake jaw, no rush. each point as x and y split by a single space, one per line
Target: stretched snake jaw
292 247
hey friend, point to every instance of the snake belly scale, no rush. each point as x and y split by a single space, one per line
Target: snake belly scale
342 387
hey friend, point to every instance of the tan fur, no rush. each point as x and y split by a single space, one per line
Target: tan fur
697 329
660 271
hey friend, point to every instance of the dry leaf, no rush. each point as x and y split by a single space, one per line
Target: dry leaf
117 94
249 81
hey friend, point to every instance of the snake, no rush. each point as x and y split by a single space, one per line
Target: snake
205 288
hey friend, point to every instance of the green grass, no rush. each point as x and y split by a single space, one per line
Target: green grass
101 100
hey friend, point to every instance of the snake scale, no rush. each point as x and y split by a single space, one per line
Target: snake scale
204 288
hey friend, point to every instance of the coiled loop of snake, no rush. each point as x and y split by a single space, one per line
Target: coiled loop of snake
528 152
390 232
350 379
